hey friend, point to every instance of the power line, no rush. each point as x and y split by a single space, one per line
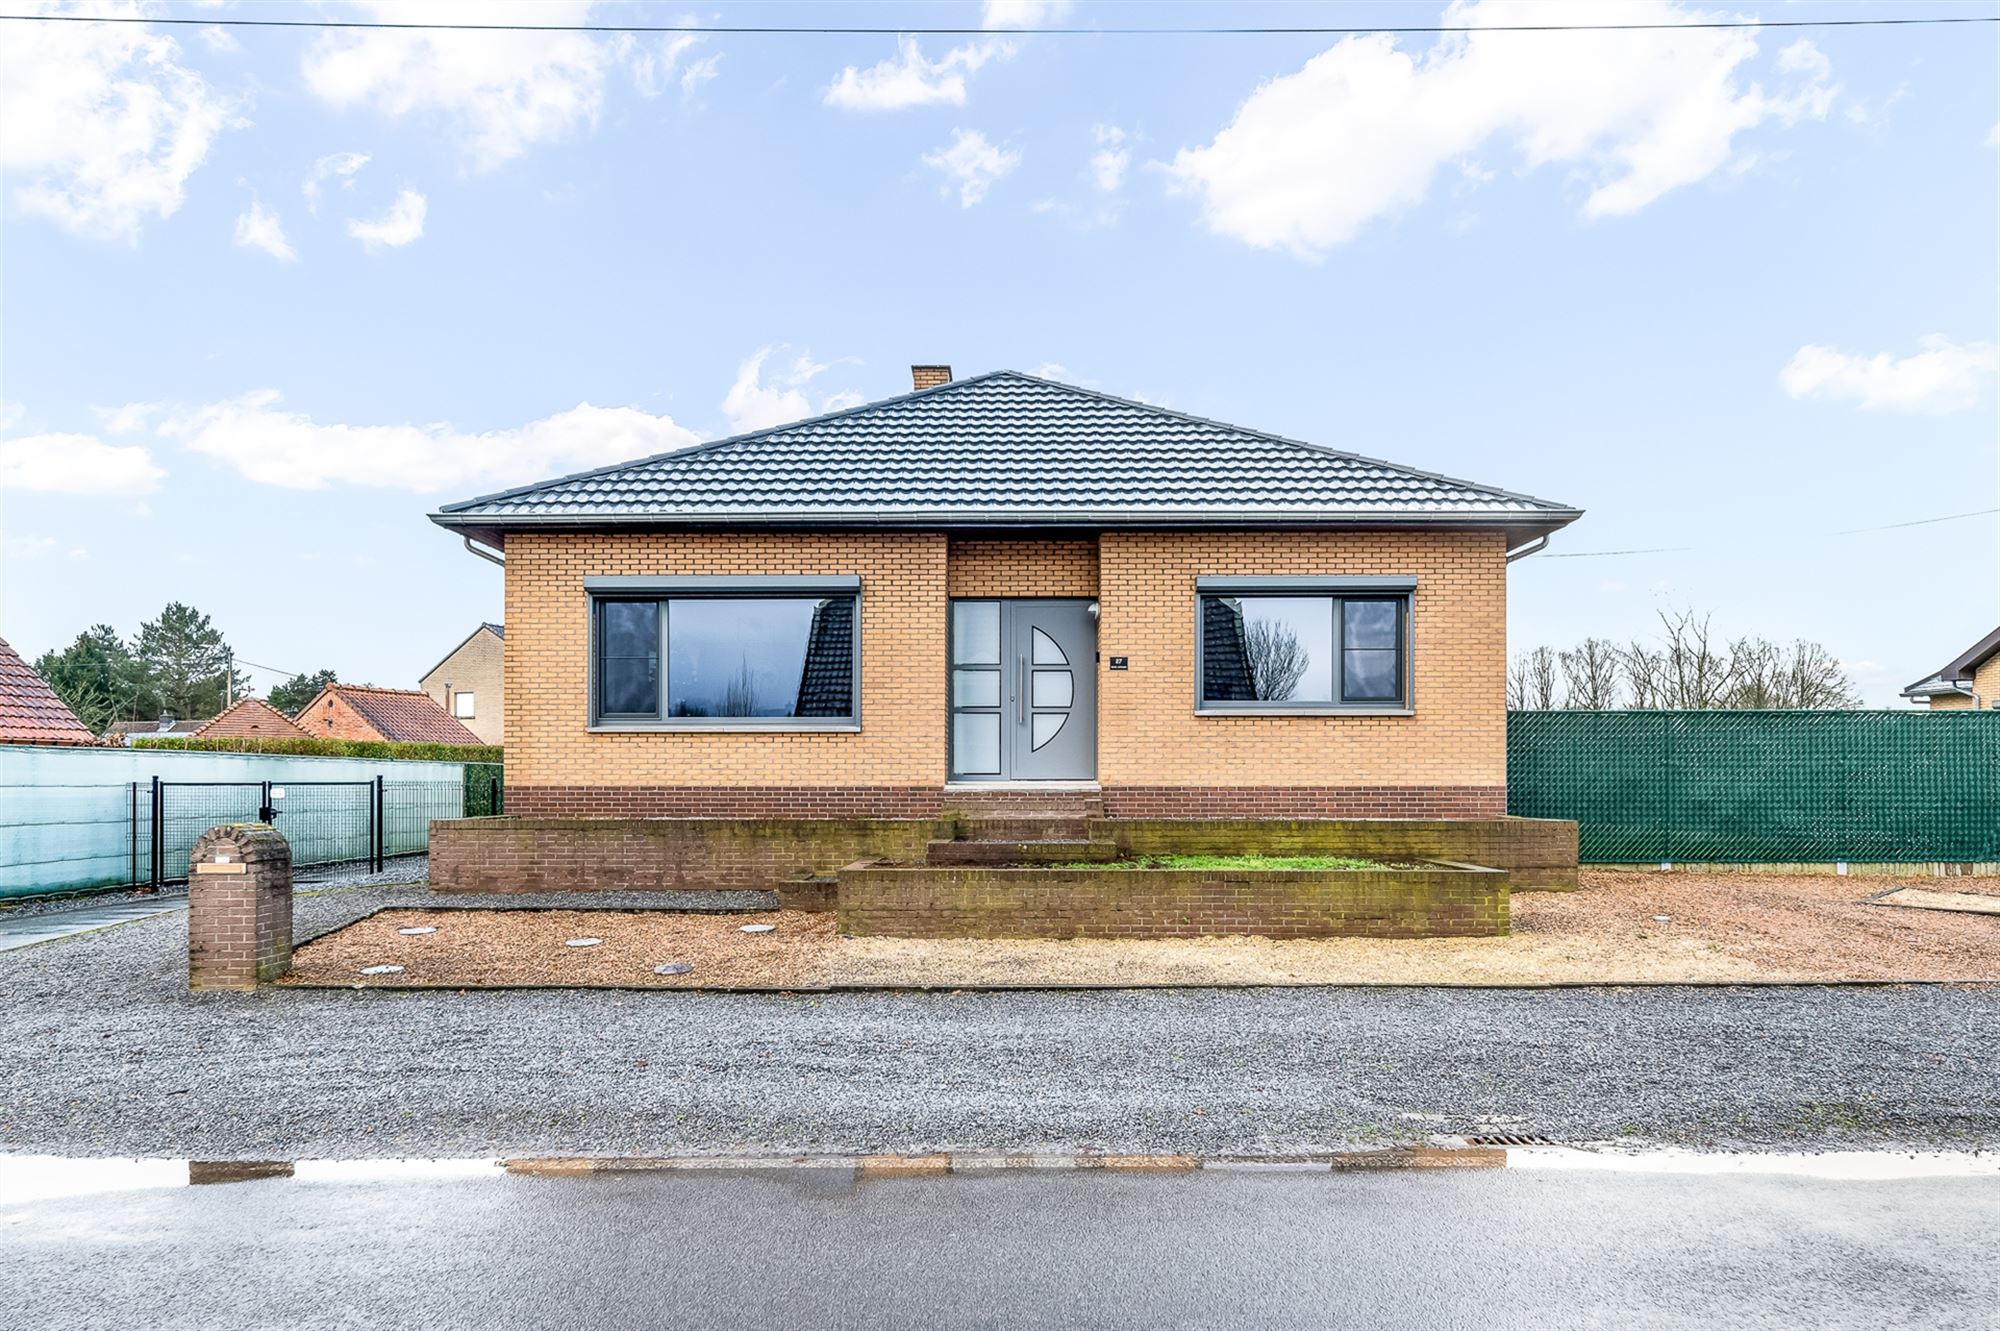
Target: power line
1850 531
1921 522
774 30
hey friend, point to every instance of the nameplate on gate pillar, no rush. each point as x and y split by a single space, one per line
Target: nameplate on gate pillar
222 868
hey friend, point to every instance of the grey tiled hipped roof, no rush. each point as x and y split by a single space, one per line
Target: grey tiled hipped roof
1005 449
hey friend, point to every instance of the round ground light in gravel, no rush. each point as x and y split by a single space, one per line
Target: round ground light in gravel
419 929
381 970
673 968
583 942
757 928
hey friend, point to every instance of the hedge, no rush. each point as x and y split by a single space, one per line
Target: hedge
315 747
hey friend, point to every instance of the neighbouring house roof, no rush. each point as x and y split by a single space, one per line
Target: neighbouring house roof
250 718
1957 672
1005 450
403 715
496 630
30 712
124 732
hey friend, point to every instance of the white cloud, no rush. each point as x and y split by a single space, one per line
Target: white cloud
76 464
128 419
910 79
219 41
699 72
403 223
343 165
499 93
753 404
259 228
100 123
1024 13
1114 154
971 165
1050 370
270 445
1359 131
1943 376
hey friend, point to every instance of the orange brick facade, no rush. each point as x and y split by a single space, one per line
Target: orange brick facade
1156 756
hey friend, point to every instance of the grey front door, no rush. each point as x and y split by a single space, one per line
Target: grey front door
1023 691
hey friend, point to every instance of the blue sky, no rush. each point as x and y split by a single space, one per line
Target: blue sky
1729 291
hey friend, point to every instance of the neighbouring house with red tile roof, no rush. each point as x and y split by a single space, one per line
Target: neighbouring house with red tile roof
250 718
362 711
30 712
120 734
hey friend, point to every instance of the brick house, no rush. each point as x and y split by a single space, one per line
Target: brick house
249 718
362 711
1971 679
469 683
1004 585
30 711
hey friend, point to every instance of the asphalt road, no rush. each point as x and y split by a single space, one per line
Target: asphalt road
816 1249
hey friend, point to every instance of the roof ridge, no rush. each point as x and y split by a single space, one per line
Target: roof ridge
377 688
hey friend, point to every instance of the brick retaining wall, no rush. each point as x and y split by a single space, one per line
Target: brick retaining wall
521 854
934 902
1537 852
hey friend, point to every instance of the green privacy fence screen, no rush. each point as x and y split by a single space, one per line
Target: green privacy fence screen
1762 787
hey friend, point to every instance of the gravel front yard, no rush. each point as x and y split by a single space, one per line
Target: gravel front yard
1717 928
107 1053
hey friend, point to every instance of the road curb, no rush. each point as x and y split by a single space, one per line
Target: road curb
940 1164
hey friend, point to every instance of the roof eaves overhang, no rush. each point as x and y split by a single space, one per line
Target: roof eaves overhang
1962 665
491 529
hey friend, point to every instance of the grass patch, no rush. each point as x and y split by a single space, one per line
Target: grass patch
1231 862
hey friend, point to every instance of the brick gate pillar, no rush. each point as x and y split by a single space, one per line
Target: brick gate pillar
239 907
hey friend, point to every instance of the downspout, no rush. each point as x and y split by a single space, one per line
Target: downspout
1534 547
486 555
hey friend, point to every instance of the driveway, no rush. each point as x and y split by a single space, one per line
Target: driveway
1499 1250
109 1054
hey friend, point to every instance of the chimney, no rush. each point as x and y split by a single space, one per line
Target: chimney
929 376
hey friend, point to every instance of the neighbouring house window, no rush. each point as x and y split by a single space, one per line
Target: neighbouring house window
461 706
1290 647
757 657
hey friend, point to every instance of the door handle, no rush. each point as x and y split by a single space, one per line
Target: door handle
1021 692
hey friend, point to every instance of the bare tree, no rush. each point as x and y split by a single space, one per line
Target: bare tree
1276 659
1803 675
1694 673
1590 675
1531 681
1645 674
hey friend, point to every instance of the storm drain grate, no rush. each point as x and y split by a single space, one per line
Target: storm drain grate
1508 1139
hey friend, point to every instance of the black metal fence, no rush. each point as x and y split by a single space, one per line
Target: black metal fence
328 823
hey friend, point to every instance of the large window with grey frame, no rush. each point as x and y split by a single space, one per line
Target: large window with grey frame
1288 647
719 655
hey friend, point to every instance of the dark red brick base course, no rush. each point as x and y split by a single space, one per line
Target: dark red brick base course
725 801
1305 801
930 801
